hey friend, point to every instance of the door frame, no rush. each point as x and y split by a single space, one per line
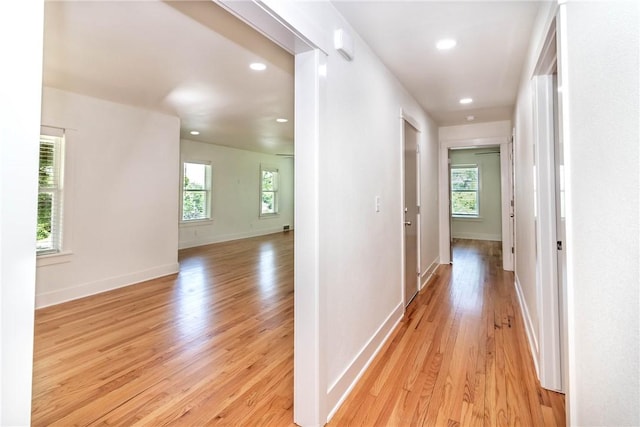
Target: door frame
505 191
549 289
406 118
310 401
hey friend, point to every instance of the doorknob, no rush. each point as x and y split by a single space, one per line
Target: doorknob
407 223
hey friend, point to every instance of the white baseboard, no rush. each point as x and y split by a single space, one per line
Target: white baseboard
99 286
528 324
477 236
228 237
340 389
428 273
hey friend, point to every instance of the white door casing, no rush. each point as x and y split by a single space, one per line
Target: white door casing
444 197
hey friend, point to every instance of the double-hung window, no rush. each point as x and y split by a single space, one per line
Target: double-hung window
196 191
269 181
50 197
465 184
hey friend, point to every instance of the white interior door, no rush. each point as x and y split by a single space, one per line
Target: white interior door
411 269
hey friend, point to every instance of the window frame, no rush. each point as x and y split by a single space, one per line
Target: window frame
275 191
56 190
208 191
477 191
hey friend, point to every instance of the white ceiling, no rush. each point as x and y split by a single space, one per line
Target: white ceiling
486 65
189 59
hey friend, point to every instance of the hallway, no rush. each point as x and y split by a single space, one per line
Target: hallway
460 356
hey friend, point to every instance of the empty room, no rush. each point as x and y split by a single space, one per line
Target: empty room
334 212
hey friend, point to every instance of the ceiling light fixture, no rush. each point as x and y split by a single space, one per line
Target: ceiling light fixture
471 118
257 66
194 132
466 101
281 120
446 44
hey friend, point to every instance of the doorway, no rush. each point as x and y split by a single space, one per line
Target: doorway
475 180
411 212
501 145
549 218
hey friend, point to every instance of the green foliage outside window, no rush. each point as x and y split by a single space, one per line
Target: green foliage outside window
269 187
464 191
195 192
48 195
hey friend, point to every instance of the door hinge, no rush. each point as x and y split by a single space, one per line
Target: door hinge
513 250
559 245
417 210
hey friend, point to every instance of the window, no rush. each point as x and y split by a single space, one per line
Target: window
268 191
196 191
464 191
49 227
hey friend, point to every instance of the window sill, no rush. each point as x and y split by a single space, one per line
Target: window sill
53 259
467 218
269 216
196 222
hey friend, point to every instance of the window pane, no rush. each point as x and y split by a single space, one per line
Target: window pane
268 179
44 239
194 205
196 192
464 178
464 202
46 169
48 227
195 176
268 202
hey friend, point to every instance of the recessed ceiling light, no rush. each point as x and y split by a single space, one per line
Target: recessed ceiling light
445 44
281 120
471 118
466 101
194 132
257 66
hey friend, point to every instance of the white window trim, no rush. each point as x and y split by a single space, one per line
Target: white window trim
209 183
56 254
478 192
276 195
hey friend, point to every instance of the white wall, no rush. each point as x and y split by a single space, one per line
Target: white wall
429 209
598 73
489 225
525 229
500 129
357 298
600 91
235 194
121 197
21 49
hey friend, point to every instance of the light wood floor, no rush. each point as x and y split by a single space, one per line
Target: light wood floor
214 346
460 356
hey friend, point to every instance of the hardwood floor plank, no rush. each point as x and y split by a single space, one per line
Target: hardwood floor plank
213 345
